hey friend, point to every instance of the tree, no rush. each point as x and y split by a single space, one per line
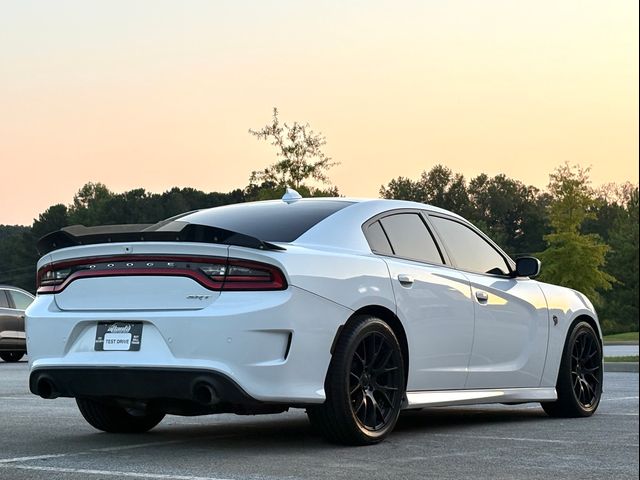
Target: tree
17 256
300 156
573 259
620 306
439 187
94 204
88 205
403 188
510 212
52 219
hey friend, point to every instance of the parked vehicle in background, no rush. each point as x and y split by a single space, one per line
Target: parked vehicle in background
351 309
13 302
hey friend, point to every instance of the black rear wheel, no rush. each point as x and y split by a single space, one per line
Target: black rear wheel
116 419
579 384
364 386
11 356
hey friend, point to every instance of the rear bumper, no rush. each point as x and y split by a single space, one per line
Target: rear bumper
132 383
12 341
274 346
183 391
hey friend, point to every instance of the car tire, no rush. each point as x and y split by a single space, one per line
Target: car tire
115 419
11 357
579 384
365 385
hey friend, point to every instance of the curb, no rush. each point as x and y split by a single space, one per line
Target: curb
621 367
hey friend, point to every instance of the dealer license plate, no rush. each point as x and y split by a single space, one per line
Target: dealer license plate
124 336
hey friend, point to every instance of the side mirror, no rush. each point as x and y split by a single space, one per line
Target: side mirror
527 267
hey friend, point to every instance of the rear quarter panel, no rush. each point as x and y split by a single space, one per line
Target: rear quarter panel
349 279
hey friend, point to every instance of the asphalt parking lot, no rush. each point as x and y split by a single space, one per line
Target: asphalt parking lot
48 439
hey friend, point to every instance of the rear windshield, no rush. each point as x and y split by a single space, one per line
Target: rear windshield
268 221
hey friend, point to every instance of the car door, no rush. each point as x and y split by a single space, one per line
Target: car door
511 316
9 316
20 302
433 301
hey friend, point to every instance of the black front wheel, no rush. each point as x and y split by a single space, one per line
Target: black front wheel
11 357
364 386
579 384
116 419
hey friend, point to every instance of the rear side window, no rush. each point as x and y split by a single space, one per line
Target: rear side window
410 238
268 221
21 300
378 240
4 301
469 250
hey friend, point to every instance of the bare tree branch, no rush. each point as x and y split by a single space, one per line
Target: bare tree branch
299 151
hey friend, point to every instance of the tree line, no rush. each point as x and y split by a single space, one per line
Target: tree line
587 238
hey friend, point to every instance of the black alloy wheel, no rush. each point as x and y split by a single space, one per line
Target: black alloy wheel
586 369
374 381
365 385
579 384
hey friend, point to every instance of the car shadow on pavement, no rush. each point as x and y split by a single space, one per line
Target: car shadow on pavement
430 419
294 433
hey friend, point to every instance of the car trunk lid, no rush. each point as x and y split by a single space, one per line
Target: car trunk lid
140 276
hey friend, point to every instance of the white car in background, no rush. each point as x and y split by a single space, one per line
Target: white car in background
351 309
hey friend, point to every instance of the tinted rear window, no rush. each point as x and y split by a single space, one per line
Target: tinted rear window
410 238
378 240
269 221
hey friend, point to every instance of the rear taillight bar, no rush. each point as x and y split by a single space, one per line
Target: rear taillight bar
213 273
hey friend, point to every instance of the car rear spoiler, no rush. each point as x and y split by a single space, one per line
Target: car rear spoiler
167 231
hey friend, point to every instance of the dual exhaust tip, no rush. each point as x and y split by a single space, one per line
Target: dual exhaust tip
46 388
203 392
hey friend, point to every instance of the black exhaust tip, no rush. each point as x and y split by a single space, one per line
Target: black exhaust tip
205 394
46 388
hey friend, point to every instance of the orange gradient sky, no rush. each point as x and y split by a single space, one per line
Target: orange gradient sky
157 94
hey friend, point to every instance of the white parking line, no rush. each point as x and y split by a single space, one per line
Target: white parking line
619 398
508 439
516 439
35 457
618 414
5 461
112 473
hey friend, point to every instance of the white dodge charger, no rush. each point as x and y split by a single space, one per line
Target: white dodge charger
351 309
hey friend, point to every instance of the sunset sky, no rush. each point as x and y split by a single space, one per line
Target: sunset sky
157 94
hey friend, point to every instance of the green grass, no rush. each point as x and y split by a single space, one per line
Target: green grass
629 358
622 337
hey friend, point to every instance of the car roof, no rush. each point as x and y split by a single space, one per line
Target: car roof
390 204
342 230
11 287
338 228
382 203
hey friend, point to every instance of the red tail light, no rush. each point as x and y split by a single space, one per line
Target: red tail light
211 272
